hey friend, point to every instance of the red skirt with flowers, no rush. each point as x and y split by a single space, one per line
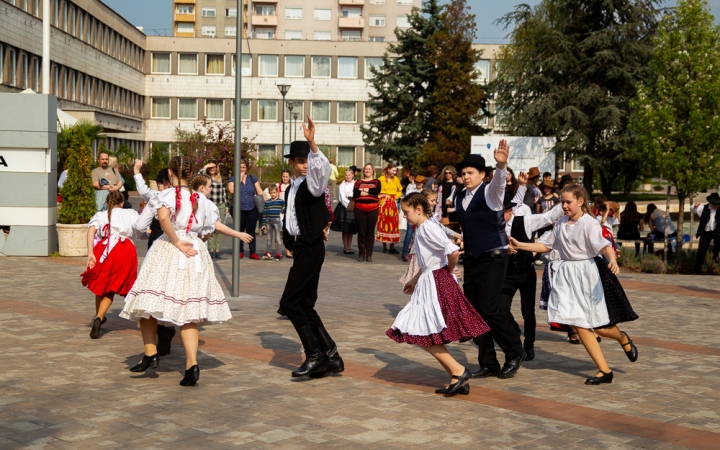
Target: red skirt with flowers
388 225
115 275
462 321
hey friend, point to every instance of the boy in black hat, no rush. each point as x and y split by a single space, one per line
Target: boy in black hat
306 216
479 209
708 229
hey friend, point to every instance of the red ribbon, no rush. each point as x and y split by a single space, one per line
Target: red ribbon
106 230
193 201
178 197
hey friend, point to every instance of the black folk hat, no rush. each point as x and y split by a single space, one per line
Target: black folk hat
298 149
475 161
162 176
508 202
713 199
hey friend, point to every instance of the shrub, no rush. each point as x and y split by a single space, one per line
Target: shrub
78 193
629 261
653 264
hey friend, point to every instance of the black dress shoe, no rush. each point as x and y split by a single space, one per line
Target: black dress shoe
165 338
631 354
605 378
484 372
192 375
148 362
392 251
361 259
103 321
315 361
461 380
369 259
511 367
530 352
328 348
464 390
217 256
95 332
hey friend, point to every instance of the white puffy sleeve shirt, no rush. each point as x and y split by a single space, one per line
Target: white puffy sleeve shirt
576 242
181 217
346 192
123 222
432 246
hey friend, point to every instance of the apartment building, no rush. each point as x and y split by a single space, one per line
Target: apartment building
314 20
142 88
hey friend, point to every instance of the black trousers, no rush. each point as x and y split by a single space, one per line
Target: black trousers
703 247
484 277
366 222
248 222
526 283
298 299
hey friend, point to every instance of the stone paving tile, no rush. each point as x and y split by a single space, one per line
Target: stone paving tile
63 390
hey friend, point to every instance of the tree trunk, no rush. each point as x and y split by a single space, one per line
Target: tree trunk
607 178
681 218
667 224
588 175
559 158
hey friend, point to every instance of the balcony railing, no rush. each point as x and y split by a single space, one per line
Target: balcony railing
264 21
351 22
352 2
181 17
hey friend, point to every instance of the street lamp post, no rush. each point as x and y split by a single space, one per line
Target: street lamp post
283 88
296 115
290 107
238 149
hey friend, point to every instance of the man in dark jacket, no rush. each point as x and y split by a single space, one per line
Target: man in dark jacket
708 229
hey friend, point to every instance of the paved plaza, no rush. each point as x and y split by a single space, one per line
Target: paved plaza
59 388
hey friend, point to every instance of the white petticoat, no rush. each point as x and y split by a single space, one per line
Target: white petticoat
422 315
577 297
175 289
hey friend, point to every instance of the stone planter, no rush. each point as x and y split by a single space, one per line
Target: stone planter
72 239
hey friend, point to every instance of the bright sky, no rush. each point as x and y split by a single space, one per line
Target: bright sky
155 15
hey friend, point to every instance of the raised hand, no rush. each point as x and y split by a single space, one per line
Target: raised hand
309 130
137 166
501 153
522 178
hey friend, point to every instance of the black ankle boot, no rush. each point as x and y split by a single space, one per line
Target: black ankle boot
315 361
148 362
328 348
192 375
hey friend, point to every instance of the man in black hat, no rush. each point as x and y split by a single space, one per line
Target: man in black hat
479 209
708 229
521 224
306 216
356 172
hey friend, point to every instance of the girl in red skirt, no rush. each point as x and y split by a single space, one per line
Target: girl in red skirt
437 313
112 263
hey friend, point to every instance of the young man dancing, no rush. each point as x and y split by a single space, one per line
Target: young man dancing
306 216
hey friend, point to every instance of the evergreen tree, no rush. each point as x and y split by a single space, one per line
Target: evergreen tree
570 72
458 103
402 103
675 114
78 194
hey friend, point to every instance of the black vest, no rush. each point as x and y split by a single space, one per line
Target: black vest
312 215
155 232
483 229
519 262
704 219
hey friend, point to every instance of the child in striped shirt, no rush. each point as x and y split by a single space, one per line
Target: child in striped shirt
272 222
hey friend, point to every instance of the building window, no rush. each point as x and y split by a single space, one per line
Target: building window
65 17
215 109
208 12
264 33
377 21
372 158
320 111
372 62
188 63
298 108
13 68
405 2
208 30
73 21
160 107
293 13
267 65
215 65
81 91
294 66
377 2
293 35
267 151
267 110
351 35
36 72
26 72
403 22
482 67
184 27
347 112
186 9
320 67
345 156
245 111
160 63
187 108
347 67
577 166
56 13
230 12
246 65
377 38
323 14
351 12
368 112
264 10
73 86
322 36
230 30
2 62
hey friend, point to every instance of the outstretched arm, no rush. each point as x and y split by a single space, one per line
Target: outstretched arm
529 246
227 231
318 166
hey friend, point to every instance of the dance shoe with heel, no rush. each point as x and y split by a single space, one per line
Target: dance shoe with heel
464 390
511 367
631 354
192 375
315 362
606 377
328 348
148 362
95 332
461 381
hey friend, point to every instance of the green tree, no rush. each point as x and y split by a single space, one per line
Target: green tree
78 194
214 141
675 113
570 72
458 101
402 103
